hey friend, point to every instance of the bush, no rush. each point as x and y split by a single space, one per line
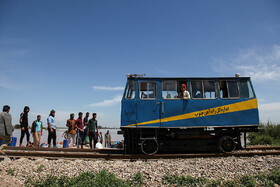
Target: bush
263 180
248 180
270 136
275 176
261 140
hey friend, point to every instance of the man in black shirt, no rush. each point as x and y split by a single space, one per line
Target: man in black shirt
86 119
92 126
24 125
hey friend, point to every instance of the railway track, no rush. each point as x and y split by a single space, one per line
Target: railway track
57 153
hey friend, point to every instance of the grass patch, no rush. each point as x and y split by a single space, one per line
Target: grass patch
40 168
270 136
106 179
247 180
184 180
102 178
137 180
11 171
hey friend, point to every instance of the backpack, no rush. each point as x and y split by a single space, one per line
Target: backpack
20 117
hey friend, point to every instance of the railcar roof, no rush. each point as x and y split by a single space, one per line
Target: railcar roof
188 78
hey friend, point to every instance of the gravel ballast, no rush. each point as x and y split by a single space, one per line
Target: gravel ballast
15 172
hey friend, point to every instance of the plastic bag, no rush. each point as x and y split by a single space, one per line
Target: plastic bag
99 145
87 140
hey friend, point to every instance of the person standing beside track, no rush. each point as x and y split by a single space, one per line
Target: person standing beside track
71 124
86 119
6 127
80 130
86 125
52 129
37 131
24 126
100 138
108 139
92 126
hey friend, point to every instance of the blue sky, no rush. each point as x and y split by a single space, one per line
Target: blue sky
73 56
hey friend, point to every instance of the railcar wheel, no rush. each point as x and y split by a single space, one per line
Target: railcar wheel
226 144
149 147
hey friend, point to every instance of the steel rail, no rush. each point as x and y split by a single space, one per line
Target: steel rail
106 150
95 155
261 147
111 150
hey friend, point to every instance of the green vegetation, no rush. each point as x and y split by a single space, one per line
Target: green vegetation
246 180
270 136
103 178
184 180
137 180
40 168
11 171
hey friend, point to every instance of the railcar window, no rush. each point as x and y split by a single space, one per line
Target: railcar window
197 89
246 89
233 89
209 89
148 90
228 89
223 89
205 89
169 89
130 90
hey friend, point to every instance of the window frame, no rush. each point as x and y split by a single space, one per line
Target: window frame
187 84
126 90
139 90
228 89
204 89
251 86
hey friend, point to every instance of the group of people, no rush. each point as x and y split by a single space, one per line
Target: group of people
77 129
80 128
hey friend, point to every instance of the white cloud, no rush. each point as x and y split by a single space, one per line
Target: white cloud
110 102
260 65
270 111
107 88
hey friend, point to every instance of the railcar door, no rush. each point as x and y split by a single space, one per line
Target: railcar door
148 104
128 114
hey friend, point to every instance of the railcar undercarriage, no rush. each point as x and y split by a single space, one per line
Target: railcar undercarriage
150 141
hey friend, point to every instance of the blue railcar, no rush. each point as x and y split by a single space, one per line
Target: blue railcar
155 116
